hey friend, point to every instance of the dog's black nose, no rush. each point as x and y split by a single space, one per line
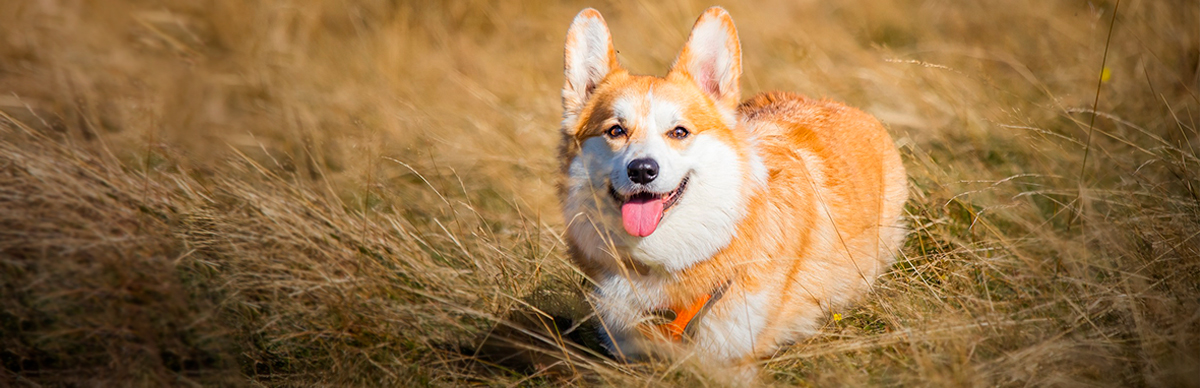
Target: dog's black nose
642 170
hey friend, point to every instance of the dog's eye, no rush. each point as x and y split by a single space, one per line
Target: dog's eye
679 133
615 131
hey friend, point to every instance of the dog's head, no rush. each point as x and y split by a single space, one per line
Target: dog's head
655 168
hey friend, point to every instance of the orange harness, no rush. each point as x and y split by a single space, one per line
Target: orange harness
677 323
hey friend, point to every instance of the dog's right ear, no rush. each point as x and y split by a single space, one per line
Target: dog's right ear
588 59
712 57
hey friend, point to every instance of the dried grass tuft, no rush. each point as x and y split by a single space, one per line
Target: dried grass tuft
359 192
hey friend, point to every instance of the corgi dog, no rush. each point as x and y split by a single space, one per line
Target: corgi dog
712 225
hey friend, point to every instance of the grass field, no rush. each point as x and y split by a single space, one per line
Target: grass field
353 192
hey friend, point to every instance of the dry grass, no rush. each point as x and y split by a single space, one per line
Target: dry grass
344 192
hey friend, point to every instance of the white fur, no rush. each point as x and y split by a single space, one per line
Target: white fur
655 117
758 169
701 223
730 331
621 302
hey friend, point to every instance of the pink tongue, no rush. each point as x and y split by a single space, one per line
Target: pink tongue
641 216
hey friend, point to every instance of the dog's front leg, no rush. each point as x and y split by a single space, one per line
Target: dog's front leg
621 304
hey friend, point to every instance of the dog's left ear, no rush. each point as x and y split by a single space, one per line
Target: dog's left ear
713 57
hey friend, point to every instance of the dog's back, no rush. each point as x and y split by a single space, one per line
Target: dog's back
828 221
853 157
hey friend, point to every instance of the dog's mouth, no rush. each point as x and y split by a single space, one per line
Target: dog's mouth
669 199
641 211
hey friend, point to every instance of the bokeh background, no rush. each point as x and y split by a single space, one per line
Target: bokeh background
354 192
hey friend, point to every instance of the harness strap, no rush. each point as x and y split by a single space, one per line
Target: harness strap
681 322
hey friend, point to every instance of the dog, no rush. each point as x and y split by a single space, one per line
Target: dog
712 225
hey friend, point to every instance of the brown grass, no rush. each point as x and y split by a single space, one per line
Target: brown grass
351 192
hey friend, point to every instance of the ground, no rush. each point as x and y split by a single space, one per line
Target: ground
354 192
